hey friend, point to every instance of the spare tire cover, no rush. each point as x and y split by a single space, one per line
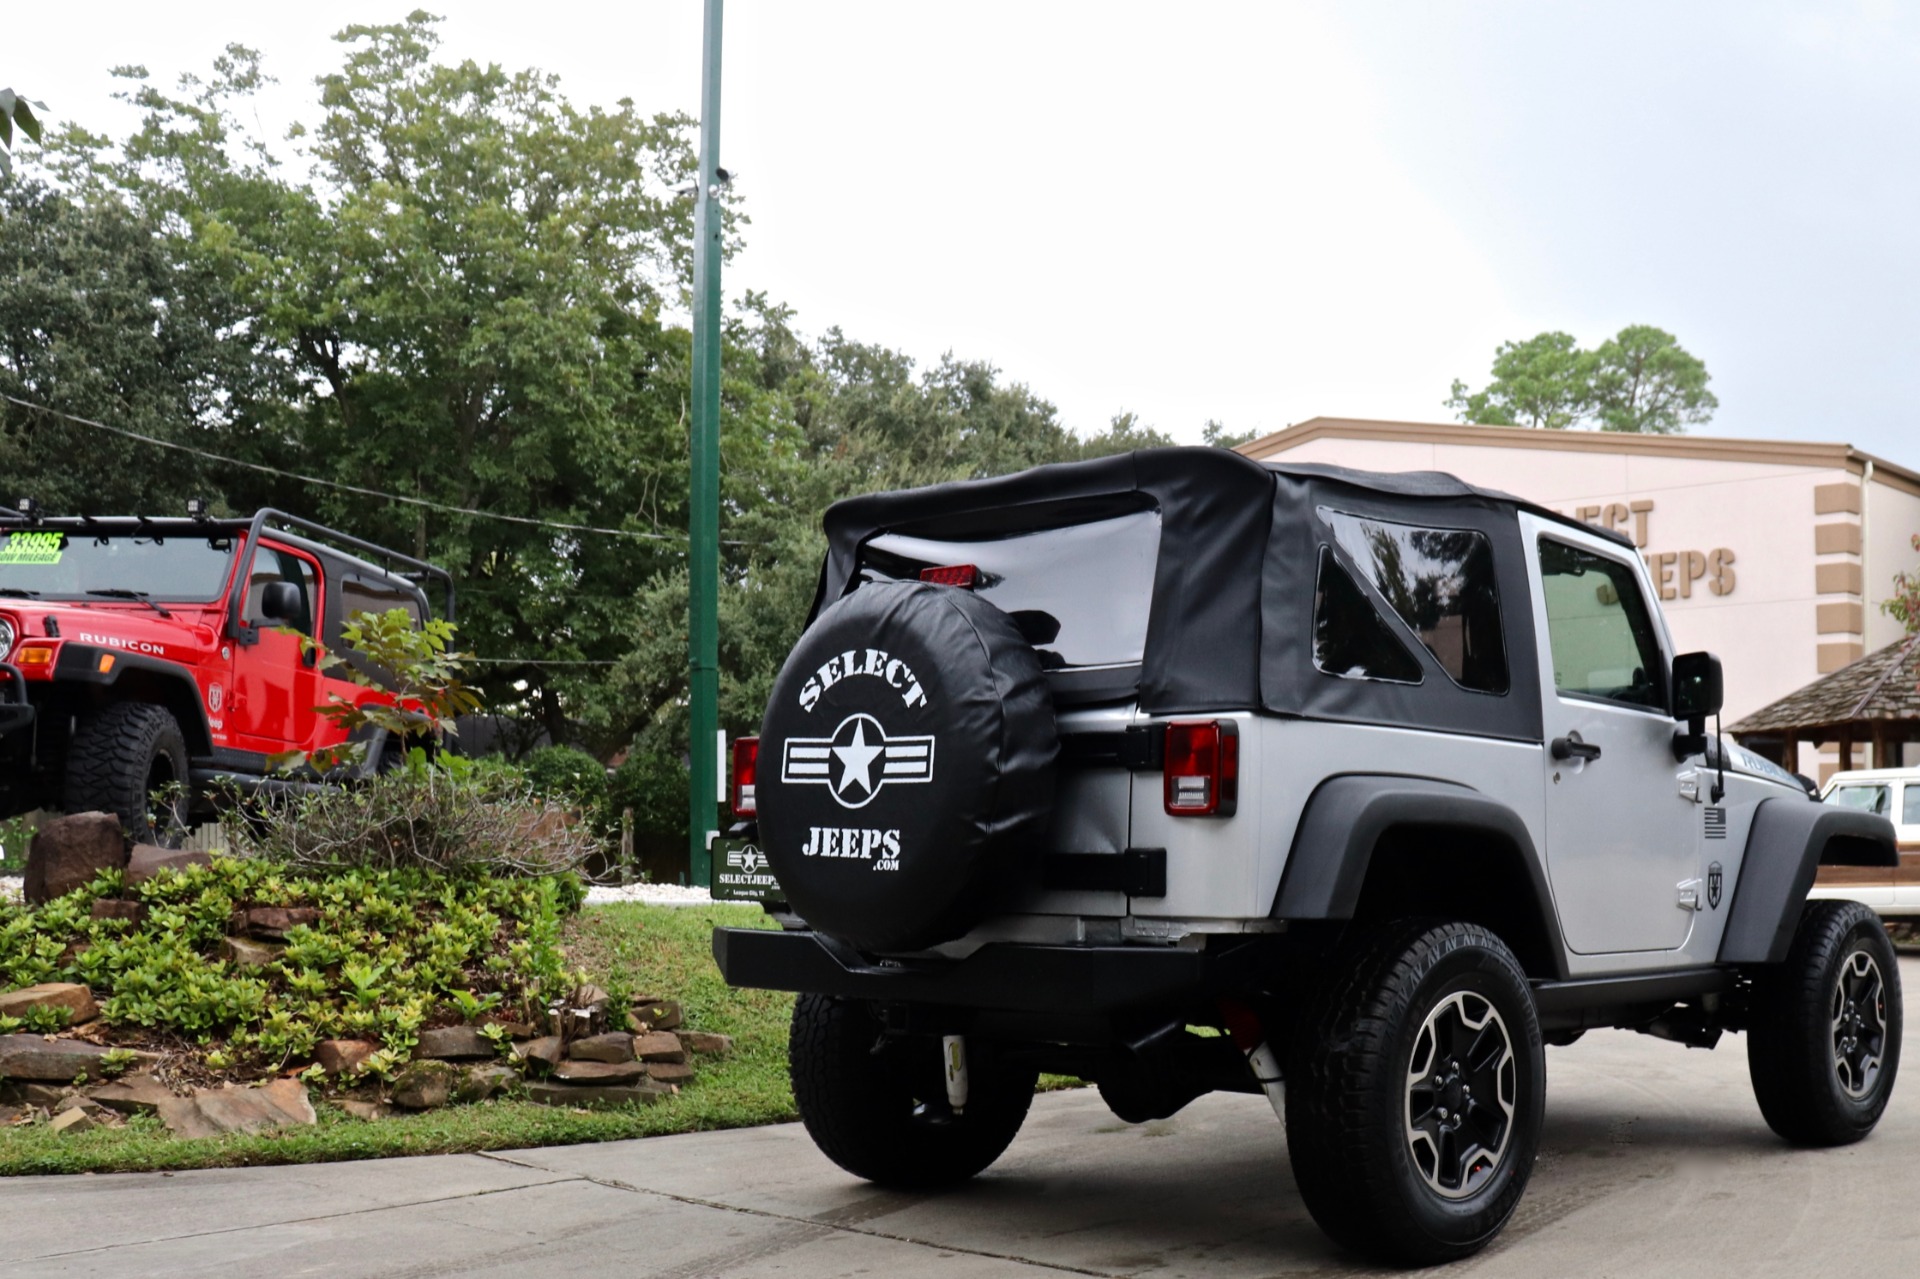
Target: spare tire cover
906 762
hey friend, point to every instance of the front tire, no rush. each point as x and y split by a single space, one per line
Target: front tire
1824 1044
130 759
1416 1084
877 1105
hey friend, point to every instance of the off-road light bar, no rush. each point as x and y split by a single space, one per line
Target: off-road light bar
197 508
27 507
746 765
1202 769
964 576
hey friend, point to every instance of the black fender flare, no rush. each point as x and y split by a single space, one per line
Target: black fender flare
1788 842
1346 817
172 687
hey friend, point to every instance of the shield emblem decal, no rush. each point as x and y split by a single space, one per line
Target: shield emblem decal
1714 878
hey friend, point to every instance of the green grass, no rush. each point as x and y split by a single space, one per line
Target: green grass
656 950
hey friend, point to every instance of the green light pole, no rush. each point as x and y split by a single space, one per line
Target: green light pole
703 533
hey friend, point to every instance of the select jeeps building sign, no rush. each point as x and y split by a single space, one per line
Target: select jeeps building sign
1676 573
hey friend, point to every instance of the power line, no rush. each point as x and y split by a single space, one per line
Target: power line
336 484
539 661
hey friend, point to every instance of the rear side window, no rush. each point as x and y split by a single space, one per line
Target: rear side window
1440 581
1868 799
371 595
1080 593
1350 638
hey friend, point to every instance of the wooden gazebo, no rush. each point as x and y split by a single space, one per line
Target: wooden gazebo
1875 701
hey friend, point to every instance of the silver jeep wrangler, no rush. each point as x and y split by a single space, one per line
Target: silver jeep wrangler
1178 772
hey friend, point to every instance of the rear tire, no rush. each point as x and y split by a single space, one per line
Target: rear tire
1824 1045
1416 1084
120 756
877 1106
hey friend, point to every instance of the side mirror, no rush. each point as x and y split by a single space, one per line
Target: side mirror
280 602
1698 689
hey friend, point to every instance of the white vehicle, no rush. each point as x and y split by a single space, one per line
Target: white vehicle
1179 772
1892 793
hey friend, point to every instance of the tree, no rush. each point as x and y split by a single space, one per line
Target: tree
1641 380
1217 434
1904 607
1543 382
16 110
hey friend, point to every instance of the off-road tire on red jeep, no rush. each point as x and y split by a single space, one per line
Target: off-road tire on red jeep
878 1107
120 755
1385 1158
1823 1046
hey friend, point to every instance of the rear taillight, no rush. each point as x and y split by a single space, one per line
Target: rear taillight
746 763
964 576
1202 768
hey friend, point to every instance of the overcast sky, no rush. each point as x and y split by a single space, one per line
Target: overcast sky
1256 213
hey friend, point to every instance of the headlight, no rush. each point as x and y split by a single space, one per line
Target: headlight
7 637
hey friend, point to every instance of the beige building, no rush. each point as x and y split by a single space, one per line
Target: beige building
1774 555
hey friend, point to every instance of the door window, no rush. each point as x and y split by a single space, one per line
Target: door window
1440 582
1602 636
275 565
1868 799
1910 804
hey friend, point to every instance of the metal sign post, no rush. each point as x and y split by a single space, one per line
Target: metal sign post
703 540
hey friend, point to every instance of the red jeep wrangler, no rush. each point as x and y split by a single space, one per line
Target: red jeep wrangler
141 652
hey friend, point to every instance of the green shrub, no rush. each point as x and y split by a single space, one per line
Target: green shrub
393 950
568 776
655 787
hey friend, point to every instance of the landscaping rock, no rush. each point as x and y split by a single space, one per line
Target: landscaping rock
703 1041
343 1056
659 1046
272 922
67 852
92 1109
546 1051
117 908
516 1029
69 1121
667 1072
477 1083
248 954
615 1045
147 860
454 1043
49 1060
656 1014
368 1110
600 1072
45 1096
213 1111
425 1084
134 1095
75 998
11 1115
549 1094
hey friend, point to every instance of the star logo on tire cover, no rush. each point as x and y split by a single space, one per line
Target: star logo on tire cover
857 760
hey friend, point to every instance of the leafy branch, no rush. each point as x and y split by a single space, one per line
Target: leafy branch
15 109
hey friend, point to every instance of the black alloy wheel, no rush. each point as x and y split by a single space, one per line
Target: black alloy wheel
1461 1093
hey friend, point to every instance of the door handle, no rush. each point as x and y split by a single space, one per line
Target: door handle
1572 747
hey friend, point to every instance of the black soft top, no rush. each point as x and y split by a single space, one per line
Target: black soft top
1233 591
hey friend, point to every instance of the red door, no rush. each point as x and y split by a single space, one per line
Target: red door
275 686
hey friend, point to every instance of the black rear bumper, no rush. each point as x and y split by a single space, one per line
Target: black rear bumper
1015 977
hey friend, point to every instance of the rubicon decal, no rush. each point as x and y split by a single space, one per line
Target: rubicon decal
115 641
873 662
857 760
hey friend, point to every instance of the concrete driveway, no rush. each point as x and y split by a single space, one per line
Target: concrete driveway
1655 1162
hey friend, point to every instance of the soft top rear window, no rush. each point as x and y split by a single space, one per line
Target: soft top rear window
1079 591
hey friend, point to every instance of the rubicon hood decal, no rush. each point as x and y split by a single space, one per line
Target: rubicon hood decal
857 760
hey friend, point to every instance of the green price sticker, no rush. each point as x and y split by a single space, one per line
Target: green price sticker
32 548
